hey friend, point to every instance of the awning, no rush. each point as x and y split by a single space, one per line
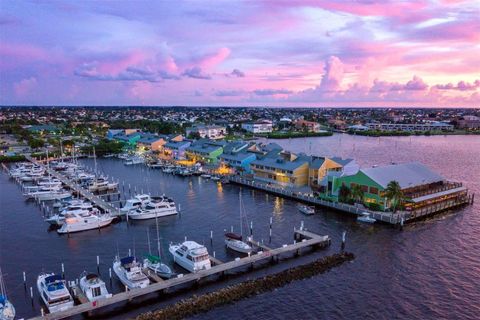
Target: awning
437 195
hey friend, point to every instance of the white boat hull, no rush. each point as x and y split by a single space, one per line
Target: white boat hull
238 246
53 307
151 215
69 228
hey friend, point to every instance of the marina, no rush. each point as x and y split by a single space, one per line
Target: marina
281 214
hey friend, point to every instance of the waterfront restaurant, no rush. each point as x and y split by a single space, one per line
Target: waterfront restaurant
205 151
176 149
420 186
153 142
286 169
236 155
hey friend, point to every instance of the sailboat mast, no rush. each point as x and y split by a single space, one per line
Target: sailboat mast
148 239
95 160
240 206
158 237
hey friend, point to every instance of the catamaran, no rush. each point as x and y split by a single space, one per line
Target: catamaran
54 293
93 287
190 255
76 222
129 271
234 241
7 310
156 207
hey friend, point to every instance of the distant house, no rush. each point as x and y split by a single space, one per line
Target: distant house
430 126
208 131
176 149
262 126
309 126
205 150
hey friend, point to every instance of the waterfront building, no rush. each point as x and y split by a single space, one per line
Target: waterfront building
130 138
320 167
237 155
431 126
111 133
262 126
420 186
151 142
469 122
286 169
214 132
176 149
358 127
205 150
309 126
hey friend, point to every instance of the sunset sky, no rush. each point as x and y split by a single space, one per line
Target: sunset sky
248 53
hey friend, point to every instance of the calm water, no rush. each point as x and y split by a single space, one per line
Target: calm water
429 270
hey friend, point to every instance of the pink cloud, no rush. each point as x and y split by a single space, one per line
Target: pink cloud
25 86
213 60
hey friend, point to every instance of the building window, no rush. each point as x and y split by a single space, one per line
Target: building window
373 190
364 188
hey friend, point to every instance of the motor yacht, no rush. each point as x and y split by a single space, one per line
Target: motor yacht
93 287
136 202
156 207
129 271
190 255
53 292
76 222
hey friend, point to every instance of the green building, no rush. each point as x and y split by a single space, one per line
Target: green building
205 150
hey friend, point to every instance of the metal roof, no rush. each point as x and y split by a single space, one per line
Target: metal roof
408 175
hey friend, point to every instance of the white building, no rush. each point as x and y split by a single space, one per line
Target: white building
433 126
211 132
263 126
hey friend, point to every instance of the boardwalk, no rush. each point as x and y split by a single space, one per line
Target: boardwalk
313 241
97 200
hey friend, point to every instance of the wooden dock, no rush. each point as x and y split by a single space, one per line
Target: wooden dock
310 240
95 199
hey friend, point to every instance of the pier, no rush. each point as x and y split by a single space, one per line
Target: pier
397 218
72 185
309 240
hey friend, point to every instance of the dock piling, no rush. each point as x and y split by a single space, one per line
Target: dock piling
211 237
98 264
24 279
63 271
31 294
344 235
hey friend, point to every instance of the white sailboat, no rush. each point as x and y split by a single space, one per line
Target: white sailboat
156 207
129 271
190 255
153 262
7 310
53 292
93 287
76 222
234 241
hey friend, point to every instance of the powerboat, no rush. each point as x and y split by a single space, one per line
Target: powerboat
155 264
365 217
135 203
234 241
54 293
156 207
206 176
307 210
190 255
134 160
129 271
48 194
59 218
7 310
93 287
76 222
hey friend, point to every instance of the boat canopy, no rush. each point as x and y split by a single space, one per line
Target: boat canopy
91 276
127 260
152 258
234 236
53 278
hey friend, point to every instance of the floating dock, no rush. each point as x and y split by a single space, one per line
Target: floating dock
72 185
306 240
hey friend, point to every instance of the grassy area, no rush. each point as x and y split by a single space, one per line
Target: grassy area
287 135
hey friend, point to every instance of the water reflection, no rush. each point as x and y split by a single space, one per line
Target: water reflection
278 206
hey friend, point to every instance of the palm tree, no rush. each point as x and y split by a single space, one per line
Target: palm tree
344 193
357 193
394 193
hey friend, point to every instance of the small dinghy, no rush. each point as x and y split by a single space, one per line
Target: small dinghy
365 217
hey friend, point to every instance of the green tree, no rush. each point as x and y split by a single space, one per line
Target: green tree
357 193
394 194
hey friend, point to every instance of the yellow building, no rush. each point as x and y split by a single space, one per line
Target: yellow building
286 169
